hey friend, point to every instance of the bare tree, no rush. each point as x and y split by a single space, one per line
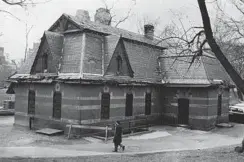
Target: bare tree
22 3
27 32
216 49
114 16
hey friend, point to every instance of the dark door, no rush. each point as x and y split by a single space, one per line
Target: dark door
183 111
219 105
57 101
105 106
148 101
31 102
129 104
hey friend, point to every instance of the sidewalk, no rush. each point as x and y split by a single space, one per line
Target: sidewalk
163 139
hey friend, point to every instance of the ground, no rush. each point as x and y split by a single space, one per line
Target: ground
224 154
165 143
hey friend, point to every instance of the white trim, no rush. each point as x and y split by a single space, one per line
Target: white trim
92 74
103 56
70 74
83 50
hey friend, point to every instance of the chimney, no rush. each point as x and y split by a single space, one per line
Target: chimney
103 16
82 15
149 31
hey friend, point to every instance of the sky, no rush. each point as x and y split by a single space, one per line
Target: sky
40 17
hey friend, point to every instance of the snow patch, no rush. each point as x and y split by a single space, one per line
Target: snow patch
93 140
153 135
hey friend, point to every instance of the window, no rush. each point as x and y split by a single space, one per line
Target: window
57 102
31 102
119 64
219 104
129 104
45 61
148 104
105 106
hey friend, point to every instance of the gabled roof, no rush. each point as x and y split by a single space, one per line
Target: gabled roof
26 66
106 29
120 50
204 70
111 42
143 60
55 42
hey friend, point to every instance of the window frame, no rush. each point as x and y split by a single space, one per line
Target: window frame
31 103
119 63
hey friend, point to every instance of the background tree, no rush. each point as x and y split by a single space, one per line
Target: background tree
216 49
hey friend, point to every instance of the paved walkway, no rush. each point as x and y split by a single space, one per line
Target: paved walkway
163 139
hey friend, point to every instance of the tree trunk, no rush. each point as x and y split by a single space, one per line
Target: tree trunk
215 48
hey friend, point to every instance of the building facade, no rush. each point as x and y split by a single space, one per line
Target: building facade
88 72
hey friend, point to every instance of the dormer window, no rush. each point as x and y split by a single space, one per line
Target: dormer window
45 61
119 64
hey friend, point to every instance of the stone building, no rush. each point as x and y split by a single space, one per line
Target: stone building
88 72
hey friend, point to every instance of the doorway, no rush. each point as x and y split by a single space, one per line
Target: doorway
148 103
129 104
183 111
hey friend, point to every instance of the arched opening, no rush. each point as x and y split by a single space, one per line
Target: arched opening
57 102
129 104
31 102
105 106
119 64
45 61
148 103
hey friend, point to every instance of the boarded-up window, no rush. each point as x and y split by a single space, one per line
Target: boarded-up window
45 61
219 105
148 102
31 102
105 106
57 101
119 64
129 104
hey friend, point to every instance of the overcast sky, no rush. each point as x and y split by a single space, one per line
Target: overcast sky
42 16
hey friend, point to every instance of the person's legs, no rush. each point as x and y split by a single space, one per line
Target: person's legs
122 146
115 147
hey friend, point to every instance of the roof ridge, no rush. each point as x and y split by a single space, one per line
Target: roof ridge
107 29
205 69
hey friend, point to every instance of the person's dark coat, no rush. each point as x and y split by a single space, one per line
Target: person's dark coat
118 135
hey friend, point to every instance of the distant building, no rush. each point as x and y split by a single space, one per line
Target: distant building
87 72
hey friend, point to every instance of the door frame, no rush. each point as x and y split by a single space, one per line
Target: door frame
183 118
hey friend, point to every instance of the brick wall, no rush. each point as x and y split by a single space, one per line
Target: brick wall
93 56
72 53
80 104
202 106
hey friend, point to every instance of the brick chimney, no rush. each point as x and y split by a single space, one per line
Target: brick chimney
149 31
82 15
102 16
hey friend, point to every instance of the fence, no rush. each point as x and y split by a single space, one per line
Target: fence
106 132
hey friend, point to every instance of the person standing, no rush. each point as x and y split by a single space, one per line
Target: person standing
118 137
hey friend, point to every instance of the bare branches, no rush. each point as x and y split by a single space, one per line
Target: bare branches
124 19
27 39
9 13
17 2
24 3
116 23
